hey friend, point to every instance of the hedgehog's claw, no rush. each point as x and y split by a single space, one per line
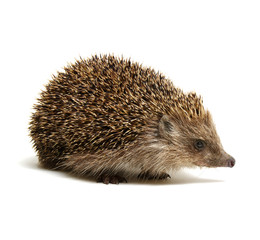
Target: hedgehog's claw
115 179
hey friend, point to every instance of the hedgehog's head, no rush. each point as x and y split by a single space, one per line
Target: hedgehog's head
193 141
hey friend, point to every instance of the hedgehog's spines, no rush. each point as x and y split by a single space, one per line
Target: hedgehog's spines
104 103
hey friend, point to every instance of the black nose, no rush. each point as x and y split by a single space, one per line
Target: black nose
231 162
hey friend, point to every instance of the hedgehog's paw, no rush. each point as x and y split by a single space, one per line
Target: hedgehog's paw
163 176
149 176
114 179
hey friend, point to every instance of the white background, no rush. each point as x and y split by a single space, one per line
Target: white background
212 47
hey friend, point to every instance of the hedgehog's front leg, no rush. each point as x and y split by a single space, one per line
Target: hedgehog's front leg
151 176
114 179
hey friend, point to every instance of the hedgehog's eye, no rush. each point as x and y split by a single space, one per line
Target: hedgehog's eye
199 144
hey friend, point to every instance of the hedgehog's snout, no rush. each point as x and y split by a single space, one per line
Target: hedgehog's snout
230 162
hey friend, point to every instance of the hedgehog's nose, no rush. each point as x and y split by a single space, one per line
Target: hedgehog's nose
231 162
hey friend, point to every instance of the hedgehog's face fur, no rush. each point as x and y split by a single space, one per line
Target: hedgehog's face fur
193 142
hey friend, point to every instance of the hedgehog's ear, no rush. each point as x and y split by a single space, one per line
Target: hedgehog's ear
166 126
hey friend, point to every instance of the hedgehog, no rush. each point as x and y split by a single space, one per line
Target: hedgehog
111 119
